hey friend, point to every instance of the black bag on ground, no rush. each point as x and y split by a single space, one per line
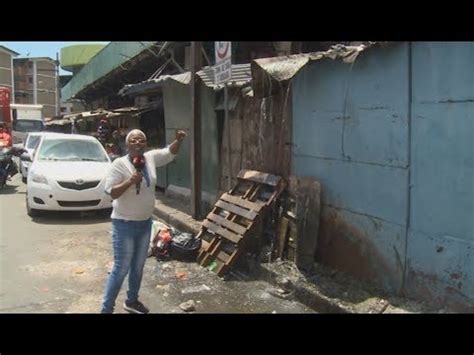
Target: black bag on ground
184 246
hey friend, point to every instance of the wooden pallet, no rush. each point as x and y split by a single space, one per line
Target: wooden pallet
234 217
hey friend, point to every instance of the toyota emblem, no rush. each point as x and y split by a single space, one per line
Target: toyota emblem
79 181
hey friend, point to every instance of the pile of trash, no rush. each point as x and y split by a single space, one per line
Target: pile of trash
168 243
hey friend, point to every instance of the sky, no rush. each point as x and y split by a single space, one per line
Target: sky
41 49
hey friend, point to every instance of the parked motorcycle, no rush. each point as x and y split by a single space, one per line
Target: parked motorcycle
8 167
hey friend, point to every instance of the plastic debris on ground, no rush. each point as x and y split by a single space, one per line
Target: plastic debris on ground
168 243
212 266
195 289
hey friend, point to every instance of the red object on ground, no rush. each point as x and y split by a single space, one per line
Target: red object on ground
181 274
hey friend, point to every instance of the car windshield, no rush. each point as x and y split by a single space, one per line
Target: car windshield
71 150
32 142
28 126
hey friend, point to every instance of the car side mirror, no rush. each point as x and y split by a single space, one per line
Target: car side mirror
26 157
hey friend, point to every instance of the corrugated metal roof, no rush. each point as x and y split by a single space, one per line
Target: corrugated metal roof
82 115
241 75
109 58
285 67
153 84
92 115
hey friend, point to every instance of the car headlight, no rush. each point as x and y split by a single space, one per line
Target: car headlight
40 179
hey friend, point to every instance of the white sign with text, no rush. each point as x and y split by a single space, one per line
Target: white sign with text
223 67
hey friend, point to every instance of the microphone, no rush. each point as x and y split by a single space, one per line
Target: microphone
138 163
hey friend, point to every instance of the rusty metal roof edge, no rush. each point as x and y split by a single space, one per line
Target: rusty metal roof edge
182 78
284 68
84 115
206 75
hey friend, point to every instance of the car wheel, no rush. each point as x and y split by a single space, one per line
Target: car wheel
30 211
105 212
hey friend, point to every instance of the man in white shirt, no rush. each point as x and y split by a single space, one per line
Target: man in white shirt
131 184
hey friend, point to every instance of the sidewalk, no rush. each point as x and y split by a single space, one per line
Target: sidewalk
176 214
327 291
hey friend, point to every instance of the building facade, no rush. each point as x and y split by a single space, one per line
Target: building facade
36 82
6 69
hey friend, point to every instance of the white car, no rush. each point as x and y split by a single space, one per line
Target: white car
31 143
67 173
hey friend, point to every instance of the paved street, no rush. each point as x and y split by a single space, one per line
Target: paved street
58 263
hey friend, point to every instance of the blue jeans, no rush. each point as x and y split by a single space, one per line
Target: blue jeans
130 243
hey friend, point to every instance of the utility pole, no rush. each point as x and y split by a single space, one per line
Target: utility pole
196 56
229 145
35 83
58 88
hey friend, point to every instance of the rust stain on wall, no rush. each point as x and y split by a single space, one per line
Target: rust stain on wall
343 246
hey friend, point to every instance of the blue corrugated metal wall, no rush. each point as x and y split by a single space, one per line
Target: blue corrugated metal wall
370 130
441 236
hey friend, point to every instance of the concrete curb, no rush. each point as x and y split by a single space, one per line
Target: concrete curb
176 218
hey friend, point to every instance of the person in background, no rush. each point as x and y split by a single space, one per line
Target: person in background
73 128
5 137
103 131
119 142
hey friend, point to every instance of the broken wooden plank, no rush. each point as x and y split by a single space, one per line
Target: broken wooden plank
210 254
205 235
242 188
257 176
282 236
276 193
237 228
233 256
220 268
205 244
235 238
254 192
254 206
307 191
202 256
223 257
251 215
